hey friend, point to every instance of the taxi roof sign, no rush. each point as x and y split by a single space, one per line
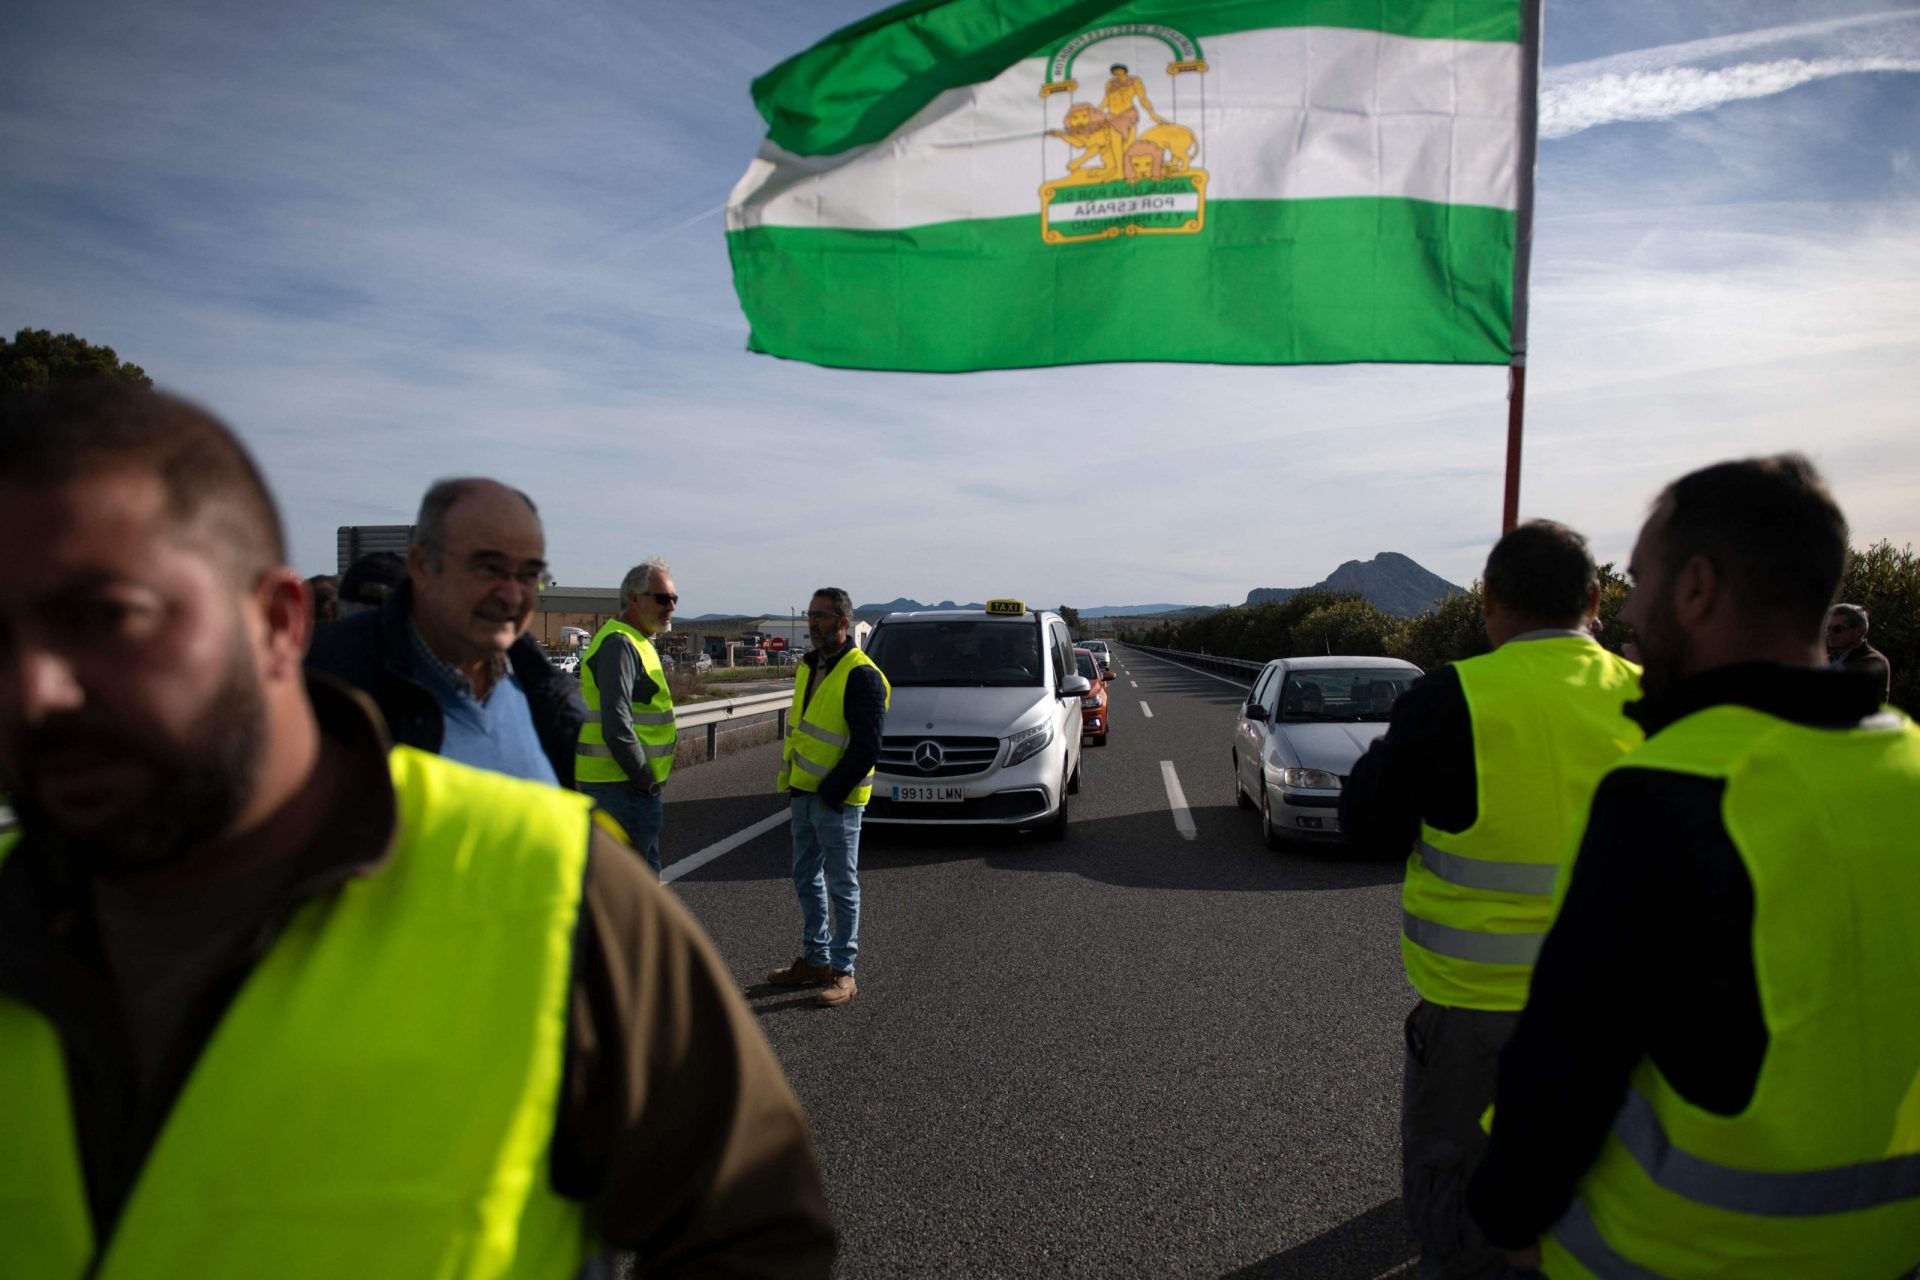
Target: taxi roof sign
1006 606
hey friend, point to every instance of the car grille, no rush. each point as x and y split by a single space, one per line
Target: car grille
959 756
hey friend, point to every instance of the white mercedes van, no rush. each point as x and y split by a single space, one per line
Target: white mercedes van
983 728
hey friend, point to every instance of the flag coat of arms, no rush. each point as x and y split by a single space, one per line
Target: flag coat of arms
983 184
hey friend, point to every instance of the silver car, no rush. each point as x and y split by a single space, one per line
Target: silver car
1300 730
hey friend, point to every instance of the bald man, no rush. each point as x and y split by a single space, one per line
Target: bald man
447 657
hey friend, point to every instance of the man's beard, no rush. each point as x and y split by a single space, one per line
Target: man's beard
195 787
1666 654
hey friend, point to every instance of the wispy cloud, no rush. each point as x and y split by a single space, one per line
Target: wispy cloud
1672 80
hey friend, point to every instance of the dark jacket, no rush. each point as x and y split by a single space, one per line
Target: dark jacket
373 652
672 1123
1650 957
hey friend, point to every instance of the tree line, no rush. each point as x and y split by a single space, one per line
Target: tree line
1884 579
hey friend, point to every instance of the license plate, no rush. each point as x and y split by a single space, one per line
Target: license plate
936 795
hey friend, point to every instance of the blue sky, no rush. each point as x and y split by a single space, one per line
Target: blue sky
390 243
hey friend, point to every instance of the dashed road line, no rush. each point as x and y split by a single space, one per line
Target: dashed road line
1134 683
1177 800
694 861
1146 710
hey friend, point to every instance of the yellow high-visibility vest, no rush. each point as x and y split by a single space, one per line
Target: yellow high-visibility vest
653 723
1819 1175
1547 722
818 733
380 1096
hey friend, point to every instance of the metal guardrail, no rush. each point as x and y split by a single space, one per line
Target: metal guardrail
7 820
712 715
1238 668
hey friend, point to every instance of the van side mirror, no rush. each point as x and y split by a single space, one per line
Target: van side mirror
1075 686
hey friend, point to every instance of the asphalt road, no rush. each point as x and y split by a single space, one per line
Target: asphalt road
1134 1053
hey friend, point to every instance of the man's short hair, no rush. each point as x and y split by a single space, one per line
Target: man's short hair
213 487
635 583
1770 528
372 578
842 602
1854 613
1542 570
430 526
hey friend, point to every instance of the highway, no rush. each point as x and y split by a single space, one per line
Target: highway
1157 1048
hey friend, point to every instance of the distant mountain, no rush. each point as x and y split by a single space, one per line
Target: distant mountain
1392 582
1144 610
871 612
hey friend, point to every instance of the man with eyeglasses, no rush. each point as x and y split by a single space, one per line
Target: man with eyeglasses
447 657
1848 650
627 742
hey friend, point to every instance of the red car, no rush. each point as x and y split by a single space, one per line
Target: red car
1093 705
749 657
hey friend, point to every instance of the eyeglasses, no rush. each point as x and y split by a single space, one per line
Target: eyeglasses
497 572
1842 626
665 599
814 615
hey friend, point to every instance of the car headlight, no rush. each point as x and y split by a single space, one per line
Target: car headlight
1310 779
1093 702
1028 743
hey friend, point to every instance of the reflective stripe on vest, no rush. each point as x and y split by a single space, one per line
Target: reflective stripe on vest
818 734
1819 1173
1486 873
1467 944
654 728
1547 720
380 1095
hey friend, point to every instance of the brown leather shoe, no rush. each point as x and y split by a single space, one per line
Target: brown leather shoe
801 973
840 989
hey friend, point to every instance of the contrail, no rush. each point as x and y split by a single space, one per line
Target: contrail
1659 95
1669 80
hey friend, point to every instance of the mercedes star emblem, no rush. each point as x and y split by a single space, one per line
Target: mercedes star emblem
928 756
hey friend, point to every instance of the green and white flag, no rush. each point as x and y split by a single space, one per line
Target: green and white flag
988 184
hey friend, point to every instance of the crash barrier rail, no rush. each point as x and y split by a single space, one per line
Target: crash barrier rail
7 820
732 712
1237 668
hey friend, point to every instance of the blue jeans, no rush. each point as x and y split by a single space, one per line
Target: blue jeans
639 815
826 864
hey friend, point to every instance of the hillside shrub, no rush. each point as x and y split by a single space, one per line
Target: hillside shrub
1886 582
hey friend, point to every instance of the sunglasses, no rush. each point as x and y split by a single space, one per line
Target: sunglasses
663 597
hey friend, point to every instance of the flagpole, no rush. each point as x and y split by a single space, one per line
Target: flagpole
1516 412
1530 45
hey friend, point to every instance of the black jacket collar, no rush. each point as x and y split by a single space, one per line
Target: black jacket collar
1817 697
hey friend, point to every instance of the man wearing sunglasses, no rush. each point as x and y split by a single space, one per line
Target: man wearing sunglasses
626 744
446 655
1848 650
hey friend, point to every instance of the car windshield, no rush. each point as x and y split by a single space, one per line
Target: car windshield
961 652
1334 694
1087 666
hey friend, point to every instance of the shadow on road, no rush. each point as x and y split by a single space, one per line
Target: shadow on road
1138 851
1142 851
1373 1245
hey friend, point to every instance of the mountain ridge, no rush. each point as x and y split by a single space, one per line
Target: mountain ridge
1391 582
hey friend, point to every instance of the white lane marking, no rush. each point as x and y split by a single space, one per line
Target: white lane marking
1182 816
1146 710
1238 684
1134 683
695 861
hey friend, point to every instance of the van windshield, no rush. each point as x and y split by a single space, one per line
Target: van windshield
968 652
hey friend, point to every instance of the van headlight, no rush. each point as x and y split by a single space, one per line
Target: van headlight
1028 743
1310 779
